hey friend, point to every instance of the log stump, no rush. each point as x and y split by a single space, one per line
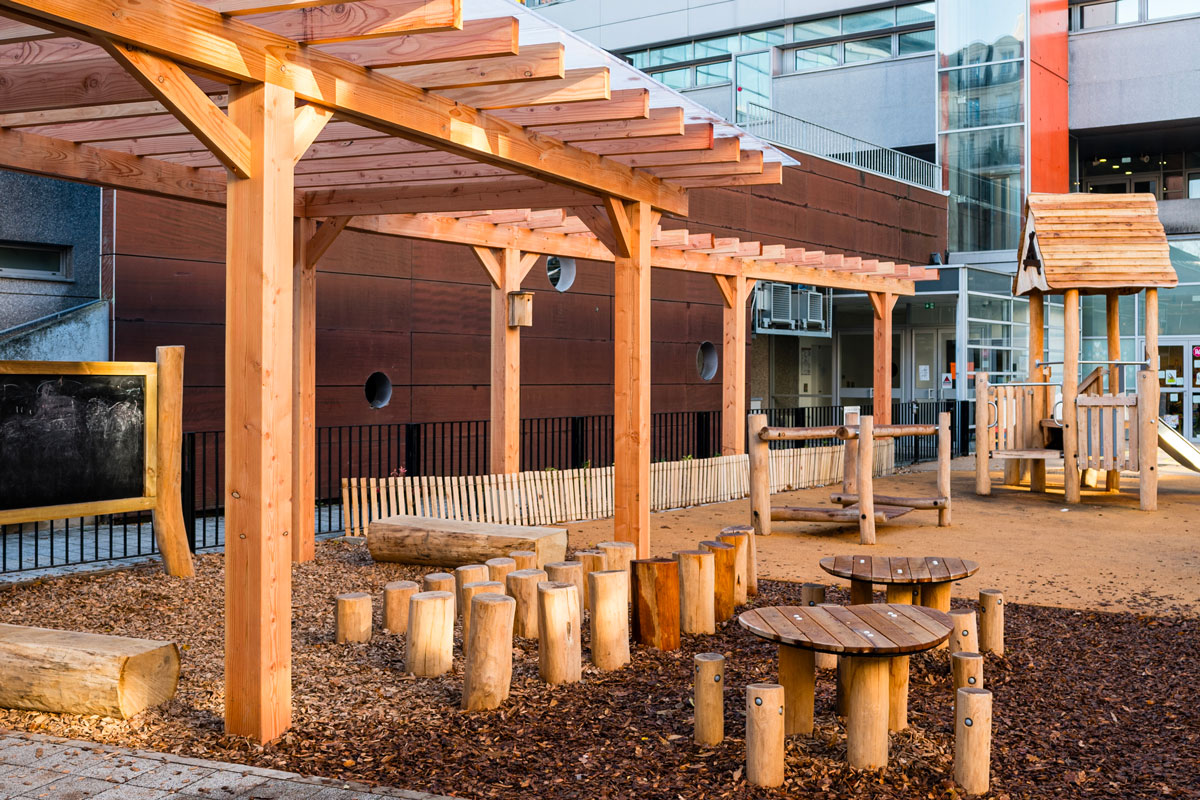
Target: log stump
560 651
709 699
395 605
724 578
656 603
440 582
619 555
741 543
696 591
353 617
973 740
568 572
751 556
498 568
429 647
468 573
991 621
521 586
966 670
469 592
592 561
487 674
608 591
526 559
965 636
764 734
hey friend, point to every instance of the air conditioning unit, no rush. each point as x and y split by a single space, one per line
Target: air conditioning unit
784 308
814 305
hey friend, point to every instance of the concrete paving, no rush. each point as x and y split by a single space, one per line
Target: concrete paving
49 768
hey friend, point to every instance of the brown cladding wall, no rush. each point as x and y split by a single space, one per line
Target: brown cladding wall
419 311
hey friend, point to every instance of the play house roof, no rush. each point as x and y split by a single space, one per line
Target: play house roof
1093 243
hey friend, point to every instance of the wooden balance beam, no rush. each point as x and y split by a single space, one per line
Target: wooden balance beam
857 498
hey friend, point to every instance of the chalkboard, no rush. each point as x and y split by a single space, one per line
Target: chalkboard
71 439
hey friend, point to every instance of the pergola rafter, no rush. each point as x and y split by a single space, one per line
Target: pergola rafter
421 118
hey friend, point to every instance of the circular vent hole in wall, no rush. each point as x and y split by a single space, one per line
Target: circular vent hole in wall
378 390
706 361
561 272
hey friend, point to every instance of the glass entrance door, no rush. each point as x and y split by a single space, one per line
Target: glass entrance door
933 364
1179 384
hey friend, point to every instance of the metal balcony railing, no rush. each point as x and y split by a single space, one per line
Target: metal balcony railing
807 137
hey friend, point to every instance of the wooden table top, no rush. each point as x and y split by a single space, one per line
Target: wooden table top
898 569
879 629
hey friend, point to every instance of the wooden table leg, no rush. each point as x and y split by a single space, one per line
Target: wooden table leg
860 592
840 702
903 593
937 596
898 693
796 676
867 720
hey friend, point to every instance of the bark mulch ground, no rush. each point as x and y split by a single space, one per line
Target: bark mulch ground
1087 704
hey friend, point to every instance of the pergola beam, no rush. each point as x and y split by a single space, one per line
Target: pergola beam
360 19
194 35
479 38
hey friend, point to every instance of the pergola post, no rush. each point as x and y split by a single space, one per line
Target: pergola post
882 304
507 268
735 290
633 225
258 417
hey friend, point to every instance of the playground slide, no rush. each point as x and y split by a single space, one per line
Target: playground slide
1177 447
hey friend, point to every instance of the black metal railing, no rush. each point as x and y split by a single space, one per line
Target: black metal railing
432 448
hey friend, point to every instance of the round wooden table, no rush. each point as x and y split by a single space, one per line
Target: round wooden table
924 581
868 639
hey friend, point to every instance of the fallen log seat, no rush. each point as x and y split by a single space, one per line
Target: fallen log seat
796 514
450 543
67 672
915 503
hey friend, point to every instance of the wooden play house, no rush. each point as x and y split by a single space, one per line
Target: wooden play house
1073 244
857 502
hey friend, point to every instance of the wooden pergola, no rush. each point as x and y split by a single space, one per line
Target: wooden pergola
467 121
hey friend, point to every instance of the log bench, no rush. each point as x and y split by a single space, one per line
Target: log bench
451 543
67 672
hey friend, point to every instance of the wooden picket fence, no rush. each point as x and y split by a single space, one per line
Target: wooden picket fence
555 496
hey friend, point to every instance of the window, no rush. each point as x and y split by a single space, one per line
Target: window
1158 9
826 55
869 20
674 78
640 59
910 44
916 14
21 260
816 29
721 46
977 97
869 49
1112 12
757 40
712 74
1193 185
753 82
674 54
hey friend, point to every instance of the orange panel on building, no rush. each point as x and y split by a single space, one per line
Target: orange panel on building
1049 156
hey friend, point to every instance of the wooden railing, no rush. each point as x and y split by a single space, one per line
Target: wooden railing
1108 430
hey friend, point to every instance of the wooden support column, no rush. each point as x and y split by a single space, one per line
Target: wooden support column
1112 319
507 268
1151 332
1037 374
735 290
882 304
1070 393
258 418
633 224
312 239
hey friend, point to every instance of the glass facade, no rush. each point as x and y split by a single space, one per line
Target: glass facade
753 79
981 120
1107 13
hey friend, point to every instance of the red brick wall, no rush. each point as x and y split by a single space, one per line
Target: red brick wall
419 311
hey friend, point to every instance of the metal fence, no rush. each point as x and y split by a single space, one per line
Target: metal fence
808 137
434 448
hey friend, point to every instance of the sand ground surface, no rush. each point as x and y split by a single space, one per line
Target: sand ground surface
1103 554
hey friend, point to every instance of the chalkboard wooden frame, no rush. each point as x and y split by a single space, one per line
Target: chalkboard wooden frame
147 501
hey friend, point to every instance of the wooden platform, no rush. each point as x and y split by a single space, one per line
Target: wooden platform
883 514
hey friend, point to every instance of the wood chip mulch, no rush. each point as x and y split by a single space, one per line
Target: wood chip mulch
1087 704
